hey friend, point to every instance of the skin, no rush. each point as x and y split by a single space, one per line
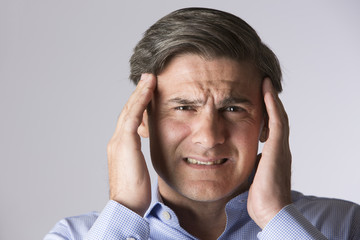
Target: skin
206 110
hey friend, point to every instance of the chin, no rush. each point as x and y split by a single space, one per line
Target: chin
210 192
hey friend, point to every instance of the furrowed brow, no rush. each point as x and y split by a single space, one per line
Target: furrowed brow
183 101
236 100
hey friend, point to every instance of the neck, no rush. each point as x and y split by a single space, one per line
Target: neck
204 220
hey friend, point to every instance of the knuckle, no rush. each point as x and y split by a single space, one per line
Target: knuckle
279 125
283 122
110 146
126 109
113 145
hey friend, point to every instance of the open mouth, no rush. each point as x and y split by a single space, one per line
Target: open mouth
207 163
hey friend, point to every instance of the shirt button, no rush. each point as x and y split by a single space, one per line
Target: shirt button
166 215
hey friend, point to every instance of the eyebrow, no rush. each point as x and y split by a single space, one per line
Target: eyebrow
183 101
236 100
225 102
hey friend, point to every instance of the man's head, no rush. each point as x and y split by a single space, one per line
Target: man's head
206 32
207 112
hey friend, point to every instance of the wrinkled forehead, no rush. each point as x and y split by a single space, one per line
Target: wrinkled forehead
194 76
202 89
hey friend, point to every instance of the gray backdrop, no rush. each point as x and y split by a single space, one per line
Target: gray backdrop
64 79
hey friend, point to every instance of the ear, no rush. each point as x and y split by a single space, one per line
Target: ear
265 129
143 129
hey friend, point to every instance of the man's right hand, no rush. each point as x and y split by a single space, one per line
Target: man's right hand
128 174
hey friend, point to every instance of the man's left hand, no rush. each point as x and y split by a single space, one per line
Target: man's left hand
271 188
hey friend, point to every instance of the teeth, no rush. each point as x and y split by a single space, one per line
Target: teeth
194 161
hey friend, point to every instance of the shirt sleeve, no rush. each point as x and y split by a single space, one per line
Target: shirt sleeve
118 222
289 223
114 222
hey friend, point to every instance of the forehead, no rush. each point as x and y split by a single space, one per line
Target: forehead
193 75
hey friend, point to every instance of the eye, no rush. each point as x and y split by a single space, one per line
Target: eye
233 109
184 108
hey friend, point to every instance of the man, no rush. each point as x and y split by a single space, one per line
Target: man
207 93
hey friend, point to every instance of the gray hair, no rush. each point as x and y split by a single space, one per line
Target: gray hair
207 32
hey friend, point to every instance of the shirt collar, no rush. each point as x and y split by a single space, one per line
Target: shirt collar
155 199
238 203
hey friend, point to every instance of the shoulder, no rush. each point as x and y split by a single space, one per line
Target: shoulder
331 206
329 214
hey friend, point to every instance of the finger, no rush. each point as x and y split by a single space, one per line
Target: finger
132 113
278 120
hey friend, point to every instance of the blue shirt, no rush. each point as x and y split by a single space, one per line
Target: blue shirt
306 218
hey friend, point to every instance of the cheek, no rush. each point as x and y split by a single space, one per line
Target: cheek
166 140
167 134
245 135
172 131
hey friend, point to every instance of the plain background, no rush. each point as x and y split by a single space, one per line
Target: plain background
64 79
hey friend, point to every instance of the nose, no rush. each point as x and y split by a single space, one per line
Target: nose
209 130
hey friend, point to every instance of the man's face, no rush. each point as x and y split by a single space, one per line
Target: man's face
205 122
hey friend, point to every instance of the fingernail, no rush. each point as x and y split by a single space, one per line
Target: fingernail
145 77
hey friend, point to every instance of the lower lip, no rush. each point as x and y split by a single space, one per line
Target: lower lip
202 167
